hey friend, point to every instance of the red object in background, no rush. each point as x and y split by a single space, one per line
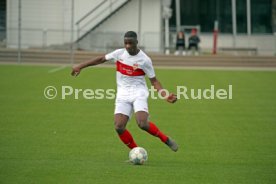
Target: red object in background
215 37
216 25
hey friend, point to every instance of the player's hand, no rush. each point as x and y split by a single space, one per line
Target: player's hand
75 71
172 98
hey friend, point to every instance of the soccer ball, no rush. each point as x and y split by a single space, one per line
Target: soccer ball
138 156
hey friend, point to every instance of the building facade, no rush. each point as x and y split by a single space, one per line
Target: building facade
242 23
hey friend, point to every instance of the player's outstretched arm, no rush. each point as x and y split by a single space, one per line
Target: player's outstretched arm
158 86
77 68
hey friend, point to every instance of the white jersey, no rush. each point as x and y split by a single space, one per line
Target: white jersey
132 91
131 70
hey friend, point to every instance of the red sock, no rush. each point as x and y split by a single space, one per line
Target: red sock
153 130
127 138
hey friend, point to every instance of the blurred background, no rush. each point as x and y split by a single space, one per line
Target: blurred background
226 27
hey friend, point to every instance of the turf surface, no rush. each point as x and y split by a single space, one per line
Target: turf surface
73 141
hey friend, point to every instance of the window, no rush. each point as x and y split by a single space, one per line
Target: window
204 13
241 16
261 16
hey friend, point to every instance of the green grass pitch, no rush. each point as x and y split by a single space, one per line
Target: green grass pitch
73 141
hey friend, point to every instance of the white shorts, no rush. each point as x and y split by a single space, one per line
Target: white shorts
135 101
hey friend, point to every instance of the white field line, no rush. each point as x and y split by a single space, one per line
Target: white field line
57 69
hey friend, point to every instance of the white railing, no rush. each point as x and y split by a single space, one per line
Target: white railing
97 15
150 41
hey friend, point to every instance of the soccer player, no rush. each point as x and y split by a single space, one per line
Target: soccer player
132 92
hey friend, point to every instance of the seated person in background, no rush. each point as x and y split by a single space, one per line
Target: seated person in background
194 41
180 43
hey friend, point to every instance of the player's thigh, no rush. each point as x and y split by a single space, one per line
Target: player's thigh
122 114
120 121
142 117
141 113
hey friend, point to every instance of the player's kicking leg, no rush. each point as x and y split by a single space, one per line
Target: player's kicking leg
151 128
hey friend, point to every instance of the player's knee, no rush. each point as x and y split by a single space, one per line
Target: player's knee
143 124
119 128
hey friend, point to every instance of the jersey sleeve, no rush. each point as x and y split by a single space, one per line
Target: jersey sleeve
113 56
148 68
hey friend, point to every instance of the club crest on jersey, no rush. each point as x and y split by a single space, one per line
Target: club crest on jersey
135 66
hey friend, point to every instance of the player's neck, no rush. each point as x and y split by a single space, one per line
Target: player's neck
135 53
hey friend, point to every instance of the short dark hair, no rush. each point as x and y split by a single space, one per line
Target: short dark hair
130 34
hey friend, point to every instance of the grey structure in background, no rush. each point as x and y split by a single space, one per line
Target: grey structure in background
234 21
19 31
48 24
